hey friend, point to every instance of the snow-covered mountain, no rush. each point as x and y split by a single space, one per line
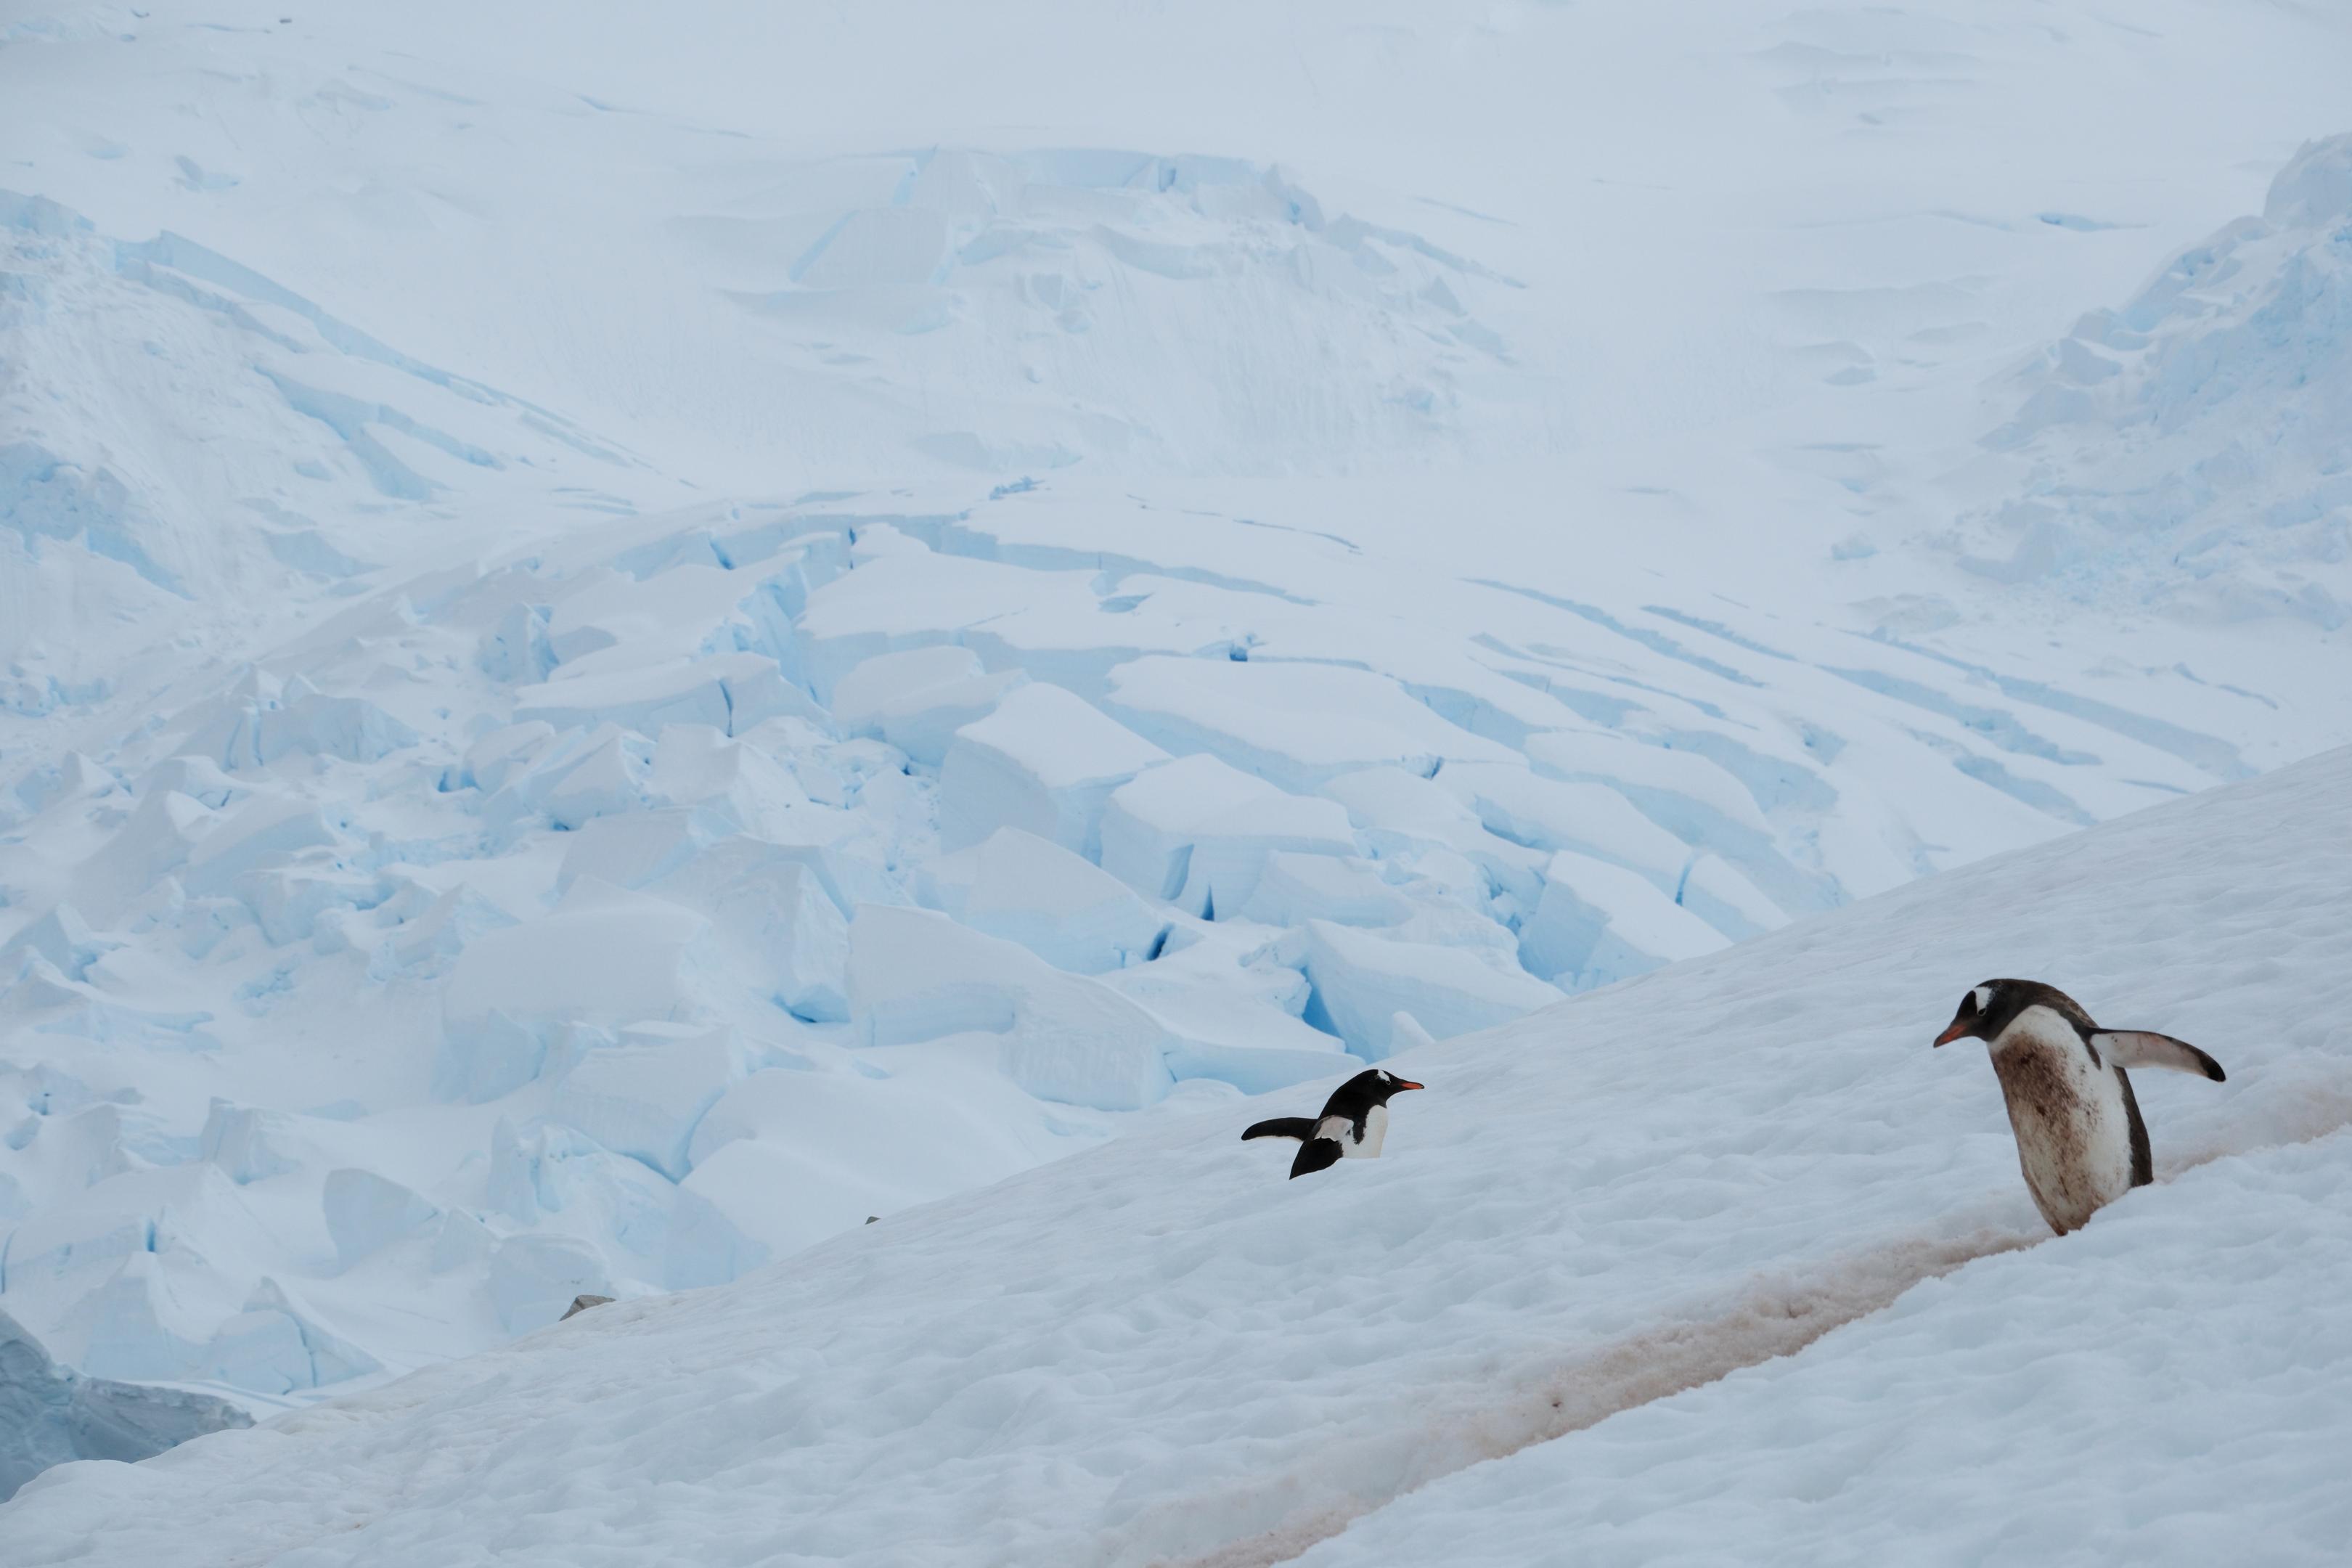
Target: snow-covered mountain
614 663
1161 1351
2186 450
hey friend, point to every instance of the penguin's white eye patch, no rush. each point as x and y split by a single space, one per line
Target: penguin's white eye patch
1982 996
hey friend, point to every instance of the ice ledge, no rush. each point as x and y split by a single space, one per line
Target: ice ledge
50 1414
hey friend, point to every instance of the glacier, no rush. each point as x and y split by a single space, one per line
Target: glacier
55 1415
607 671
1723 1253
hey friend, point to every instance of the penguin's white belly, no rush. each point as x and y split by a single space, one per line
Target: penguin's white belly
1342 1131
2074 1134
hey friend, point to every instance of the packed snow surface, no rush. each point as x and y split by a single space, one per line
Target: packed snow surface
1161 1350
624 641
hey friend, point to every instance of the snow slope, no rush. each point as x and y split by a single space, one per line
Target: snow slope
2181 1347
608 624
1161 1349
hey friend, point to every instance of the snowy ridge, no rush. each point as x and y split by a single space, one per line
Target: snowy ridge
1086 296
2186 448
183 433
1161 1351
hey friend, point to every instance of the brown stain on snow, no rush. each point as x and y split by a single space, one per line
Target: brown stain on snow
1775 1315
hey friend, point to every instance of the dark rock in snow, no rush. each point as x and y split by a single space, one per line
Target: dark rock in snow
580 1304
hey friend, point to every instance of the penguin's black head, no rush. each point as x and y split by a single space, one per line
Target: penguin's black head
1986 1011
1370 1087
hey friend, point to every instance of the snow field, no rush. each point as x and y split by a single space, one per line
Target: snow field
2181 1348
1159 1349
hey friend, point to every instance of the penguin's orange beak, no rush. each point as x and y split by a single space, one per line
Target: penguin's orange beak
1408 1083
1956 1029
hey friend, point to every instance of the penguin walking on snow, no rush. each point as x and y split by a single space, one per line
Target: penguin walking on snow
2080 1140
1355 1120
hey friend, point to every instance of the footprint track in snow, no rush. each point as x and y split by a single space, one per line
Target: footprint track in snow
1773 1315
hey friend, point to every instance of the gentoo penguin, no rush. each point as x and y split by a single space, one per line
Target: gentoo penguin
1354 1121
2080 1140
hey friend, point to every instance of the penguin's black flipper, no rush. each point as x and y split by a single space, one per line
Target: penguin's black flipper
1299 1127
1315 1154
2146 1048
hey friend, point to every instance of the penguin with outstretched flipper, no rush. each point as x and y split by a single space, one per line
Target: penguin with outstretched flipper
2080 1140
1354 1122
